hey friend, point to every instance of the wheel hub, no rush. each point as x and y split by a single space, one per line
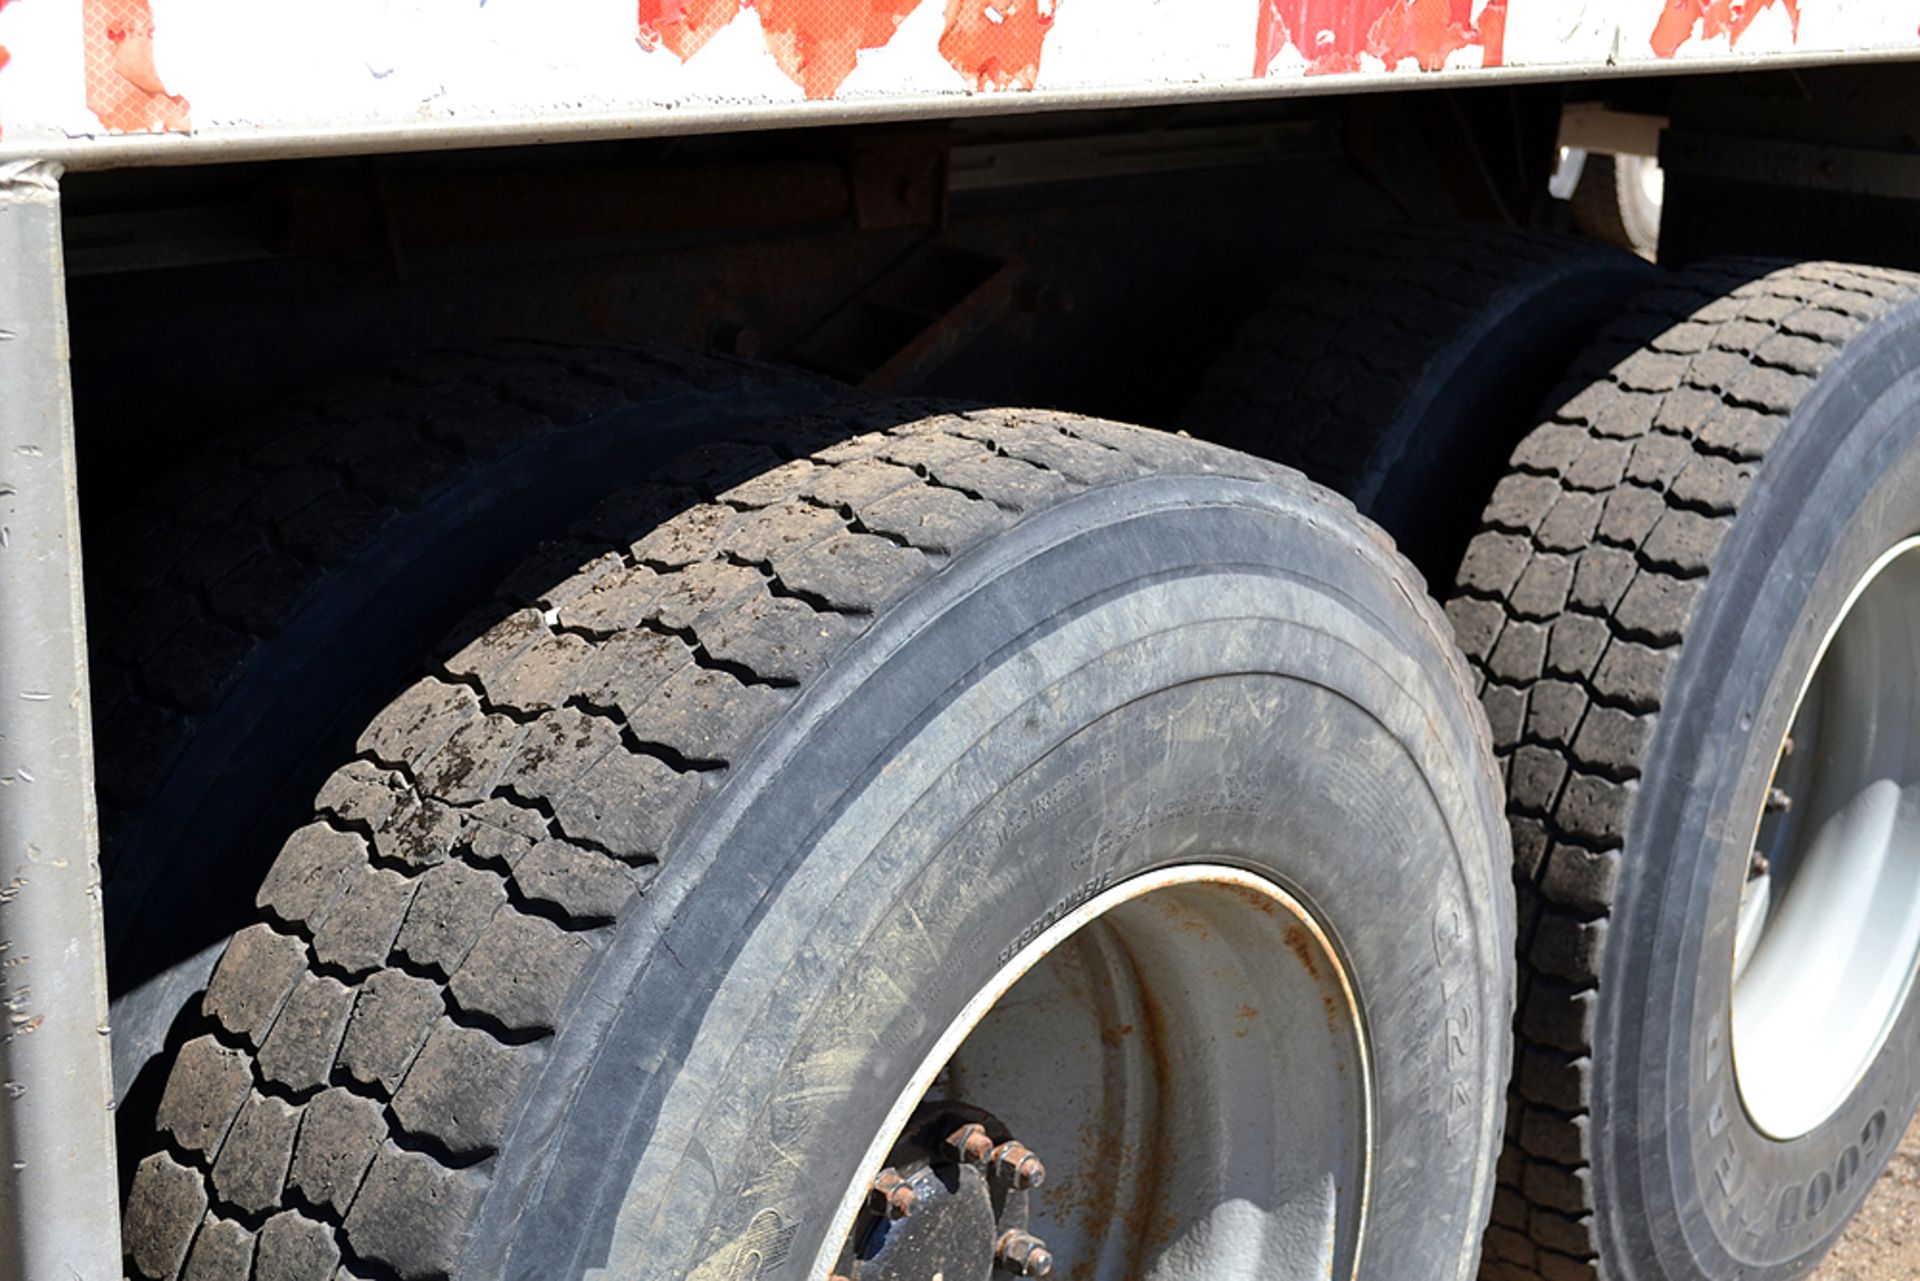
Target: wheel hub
1827 937
1185 1055
951 1204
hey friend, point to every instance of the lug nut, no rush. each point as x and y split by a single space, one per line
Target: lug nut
1778 802
1023 1254
970 1144
1018 1166
892 1195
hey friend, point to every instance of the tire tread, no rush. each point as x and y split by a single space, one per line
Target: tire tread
1320 378
461 872
221 552
1662 427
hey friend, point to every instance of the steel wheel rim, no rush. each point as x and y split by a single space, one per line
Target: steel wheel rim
1210 1016
1828 936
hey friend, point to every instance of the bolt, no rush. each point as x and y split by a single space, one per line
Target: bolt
1018 1166
1786 746
1778 802
892 1195
1759 867
970 1144
1023 1254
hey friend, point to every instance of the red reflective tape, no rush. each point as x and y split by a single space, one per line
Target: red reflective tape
1713 18
818 42
996 44
123 87
993 44
1333 34
1493 33
684 25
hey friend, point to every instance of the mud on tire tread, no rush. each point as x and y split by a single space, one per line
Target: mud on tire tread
1572 605
463 861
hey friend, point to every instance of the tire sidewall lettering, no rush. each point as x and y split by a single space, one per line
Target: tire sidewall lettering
1450 950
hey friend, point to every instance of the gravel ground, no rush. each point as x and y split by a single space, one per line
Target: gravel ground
1883 1243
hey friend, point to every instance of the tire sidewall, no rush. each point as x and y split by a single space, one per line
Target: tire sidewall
1078 704
1840 488
1480 392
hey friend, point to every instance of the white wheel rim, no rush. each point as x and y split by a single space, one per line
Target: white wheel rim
1828 938
1186 1053
1650 180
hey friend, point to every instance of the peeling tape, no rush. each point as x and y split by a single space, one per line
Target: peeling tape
123 85
1682 19
993 44
1332 36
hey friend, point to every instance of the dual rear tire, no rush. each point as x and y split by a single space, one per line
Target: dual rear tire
861 774
1700 557
1121 793
1689 604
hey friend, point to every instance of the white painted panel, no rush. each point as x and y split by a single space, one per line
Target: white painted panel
269 76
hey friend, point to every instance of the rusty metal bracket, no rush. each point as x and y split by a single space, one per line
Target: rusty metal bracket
910 319
59 1212
900 179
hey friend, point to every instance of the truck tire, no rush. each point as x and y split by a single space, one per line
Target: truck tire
1399 369
258 602
632 936
1703 553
